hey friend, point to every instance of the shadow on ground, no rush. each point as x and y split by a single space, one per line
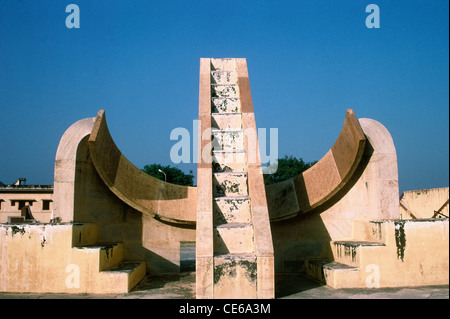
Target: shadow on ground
176 286
289 284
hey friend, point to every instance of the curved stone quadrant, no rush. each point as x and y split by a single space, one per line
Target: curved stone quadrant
338 221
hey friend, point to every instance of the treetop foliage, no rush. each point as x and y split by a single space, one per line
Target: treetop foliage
174 174
288 167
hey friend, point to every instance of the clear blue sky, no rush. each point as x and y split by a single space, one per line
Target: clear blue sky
308 62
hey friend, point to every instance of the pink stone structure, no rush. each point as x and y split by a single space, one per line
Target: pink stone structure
338 222
234 242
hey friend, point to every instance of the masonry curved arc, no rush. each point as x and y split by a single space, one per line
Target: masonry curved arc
164 201
319 185
66 168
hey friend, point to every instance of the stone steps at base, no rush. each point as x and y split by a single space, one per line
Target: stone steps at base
333 274
349 252
115 275
106 255
123 277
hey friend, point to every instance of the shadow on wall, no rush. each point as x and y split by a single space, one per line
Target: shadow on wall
305 235
118 222
297 240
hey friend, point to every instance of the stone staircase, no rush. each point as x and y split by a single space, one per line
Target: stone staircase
64 258
349 257
385 253
105 268
234 252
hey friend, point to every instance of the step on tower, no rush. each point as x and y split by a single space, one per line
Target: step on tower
234 257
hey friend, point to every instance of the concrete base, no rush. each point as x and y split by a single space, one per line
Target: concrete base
393 253
41 258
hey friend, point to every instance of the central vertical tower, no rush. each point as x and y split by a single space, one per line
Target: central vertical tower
234 255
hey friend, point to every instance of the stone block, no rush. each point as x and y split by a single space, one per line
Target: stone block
222 121
225 105
227 64
235 276
227 140
232 210
230 184
233 239
225 90
223 77
225 161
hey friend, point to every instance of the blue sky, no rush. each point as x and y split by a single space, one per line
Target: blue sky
308 62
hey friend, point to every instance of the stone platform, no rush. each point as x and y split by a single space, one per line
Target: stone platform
289 286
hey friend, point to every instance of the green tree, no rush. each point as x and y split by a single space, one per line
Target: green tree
288 167
174 174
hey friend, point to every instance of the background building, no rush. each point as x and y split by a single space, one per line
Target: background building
15 197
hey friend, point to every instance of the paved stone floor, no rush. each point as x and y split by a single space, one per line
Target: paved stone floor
290 286
301 287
